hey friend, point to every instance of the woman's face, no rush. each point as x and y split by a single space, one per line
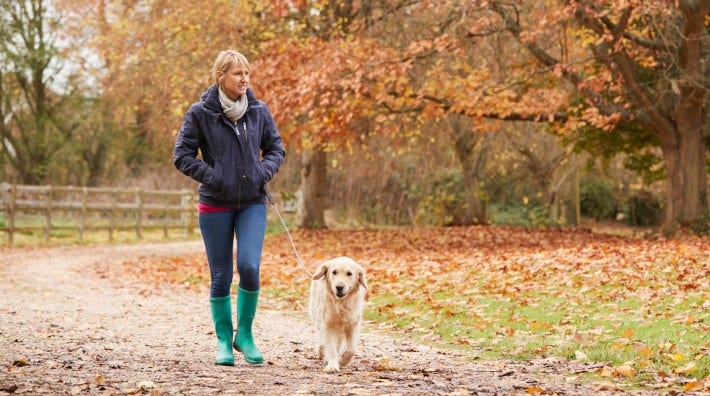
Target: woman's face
234 81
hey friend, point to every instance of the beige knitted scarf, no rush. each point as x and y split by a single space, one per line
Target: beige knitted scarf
233 110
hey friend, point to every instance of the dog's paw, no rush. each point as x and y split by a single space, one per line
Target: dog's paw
332 367
345 359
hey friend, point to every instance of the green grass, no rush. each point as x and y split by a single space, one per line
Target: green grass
603 331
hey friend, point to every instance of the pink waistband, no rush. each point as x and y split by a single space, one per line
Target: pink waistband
202 208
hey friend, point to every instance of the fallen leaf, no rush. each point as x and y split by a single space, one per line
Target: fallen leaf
534 390
685 369
9 389
666 346
628 333
608 387
606 371
625 371
646 351
385 364
677 357
659 385
693 386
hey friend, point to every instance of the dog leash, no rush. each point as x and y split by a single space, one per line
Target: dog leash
288 234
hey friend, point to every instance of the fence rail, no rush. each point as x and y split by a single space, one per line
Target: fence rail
52 208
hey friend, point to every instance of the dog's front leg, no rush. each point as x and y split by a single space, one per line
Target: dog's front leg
331 355
350 344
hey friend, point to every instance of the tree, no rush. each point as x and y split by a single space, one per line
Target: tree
644 62
34 87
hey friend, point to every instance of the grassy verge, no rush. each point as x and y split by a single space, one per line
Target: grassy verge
640 308
667 336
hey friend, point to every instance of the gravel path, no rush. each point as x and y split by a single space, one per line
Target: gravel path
68 328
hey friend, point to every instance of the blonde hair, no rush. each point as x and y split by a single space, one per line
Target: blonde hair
226 60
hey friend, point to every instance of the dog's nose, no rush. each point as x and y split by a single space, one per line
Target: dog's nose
339 290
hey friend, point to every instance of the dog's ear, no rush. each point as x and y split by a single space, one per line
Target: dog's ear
361 277
320 272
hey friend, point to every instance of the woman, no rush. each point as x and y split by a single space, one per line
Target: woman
241 150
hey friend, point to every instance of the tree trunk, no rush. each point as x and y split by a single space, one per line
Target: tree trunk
683 146
474 210
472 160
314 187
686 191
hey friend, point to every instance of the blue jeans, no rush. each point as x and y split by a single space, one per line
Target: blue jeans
218 231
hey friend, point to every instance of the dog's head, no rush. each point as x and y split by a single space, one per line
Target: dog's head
343 276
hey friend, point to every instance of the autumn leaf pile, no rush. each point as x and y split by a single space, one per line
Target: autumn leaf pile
638 306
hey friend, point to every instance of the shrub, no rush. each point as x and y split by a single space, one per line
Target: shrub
701 226
645 209
596 198
508 215
519 215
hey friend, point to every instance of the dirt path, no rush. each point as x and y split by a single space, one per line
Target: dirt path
67 328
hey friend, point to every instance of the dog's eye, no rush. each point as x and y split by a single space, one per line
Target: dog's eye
335 272
350 273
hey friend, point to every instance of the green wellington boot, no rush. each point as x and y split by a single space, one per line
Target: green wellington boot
221 308
243 340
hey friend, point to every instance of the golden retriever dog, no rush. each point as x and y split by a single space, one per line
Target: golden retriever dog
336 300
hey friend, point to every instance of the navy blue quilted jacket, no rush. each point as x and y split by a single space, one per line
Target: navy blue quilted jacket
237 160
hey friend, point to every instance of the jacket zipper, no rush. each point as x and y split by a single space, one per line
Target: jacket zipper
239 184
236 130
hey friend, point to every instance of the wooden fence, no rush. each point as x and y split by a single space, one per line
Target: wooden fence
51 209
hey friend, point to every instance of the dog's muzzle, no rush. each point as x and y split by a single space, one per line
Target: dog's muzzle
340 291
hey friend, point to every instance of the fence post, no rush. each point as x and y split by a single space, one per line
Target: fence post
82 221
192 215
10 203
112 219
48 214
185 212
166 217
13 212
139 212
